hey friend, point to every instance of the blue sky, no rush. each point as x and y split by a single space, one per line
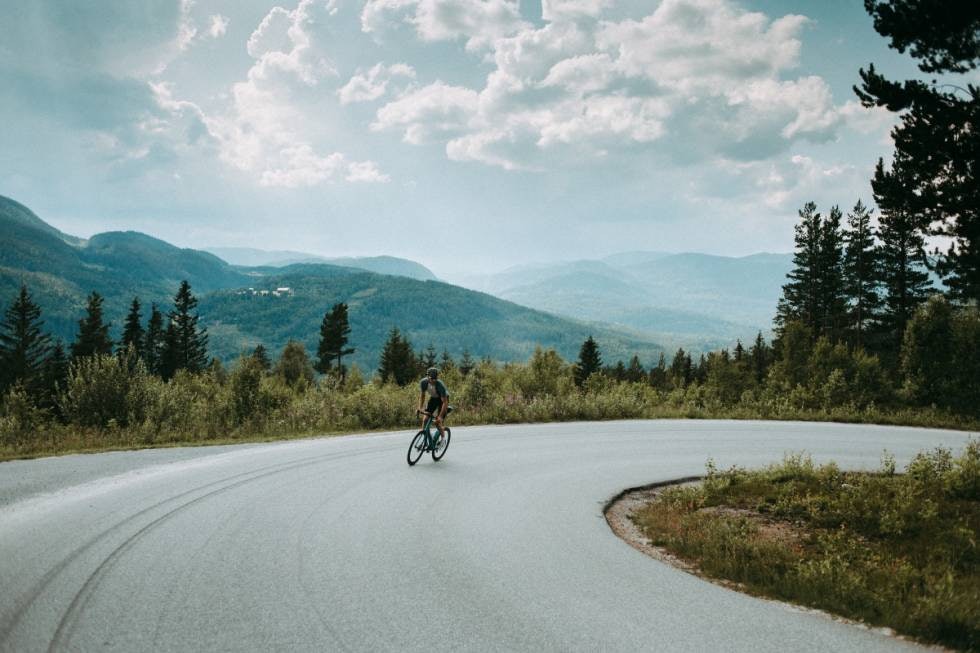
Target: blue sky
466 134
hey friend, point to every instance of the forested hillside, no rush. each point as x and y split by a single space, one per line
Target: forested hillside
433 313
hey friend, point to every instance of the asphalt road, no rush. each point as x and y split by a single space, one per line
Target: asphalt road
335 544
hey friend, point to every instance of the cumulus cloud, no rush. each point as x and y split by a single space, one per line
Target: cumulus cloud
695 79
479 22
434 110
267 129
373 84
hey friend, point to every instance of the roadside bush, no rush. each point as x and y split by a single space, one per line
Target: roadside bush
106 390
19 417
246 383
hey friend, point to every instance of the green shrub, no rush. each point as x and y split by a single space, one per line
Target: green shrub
104 389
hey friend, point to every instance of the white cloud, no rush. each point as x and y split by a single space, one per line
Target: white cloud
186 29
219 25
477 21
301 166
269 128
434 110
695 79
556 10
365 87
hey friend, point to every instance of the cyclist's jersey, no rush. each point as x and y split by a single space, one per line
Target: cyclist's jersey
435 390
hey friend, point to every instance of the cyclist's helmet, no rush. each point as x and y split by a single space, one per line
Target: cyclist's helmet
432 372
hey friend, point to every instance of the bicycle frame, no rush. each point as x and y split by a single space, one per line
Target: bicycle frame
427 427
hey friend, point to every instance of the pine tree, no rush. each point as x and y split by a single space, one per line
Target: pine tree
902 254
701 369
153 342
23 345
93 335
446 362
833 306
658 374
133 334
334 331
262 357
861 274
681 373
617 371
429 358
937 136
760 357
801 296
190 345
739 352
589 361
466 363
170 344
635 372
54 373
397 362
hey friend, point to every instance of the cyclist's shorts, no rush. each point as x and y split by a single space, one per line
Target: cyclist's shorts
435 403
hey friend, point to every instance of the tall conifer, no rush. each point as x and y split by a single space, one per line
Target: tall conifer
397 361
190 342
93 333
133 334
153 342
902 254
861 274
334 332
831 276
589 361
24 346
801 295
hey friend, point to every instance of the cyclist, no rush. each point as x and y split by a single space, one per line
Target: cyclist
438 397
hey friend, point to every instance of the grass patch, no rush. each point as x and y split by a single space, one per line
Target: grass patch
888 549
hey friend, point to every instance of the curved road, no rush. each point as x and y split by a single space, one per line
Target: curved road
335 544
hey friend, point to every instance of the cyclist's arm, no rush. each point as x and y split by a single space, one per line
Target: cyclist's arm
421 401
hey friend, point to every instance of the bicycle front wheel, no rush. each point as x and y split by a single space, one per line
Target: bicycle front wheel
440 451
417 448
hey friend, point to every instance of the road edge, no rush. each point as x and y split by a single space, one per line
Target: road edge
619 507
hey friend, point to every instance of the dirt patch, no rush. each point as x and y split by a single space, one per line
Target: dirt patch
620 509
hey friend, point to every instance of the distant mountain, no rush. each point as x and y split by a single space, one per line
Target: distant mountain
60 272
246 256
692 299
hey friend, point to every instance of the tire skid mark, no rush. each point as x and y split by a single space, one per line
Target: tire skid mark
301 559
78 603
9 621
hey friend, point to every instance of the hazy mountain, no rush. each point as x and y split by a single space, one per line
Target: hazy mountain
676 297
60 272
245 256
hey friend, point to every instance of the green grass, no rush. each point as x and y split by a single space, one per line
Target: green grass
896 550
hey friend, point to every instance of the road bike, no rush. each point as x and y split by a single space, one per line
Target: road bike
425 440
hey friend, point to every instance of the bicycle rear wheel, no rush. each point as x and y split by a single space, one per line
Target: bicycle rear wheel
416 448
439 452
